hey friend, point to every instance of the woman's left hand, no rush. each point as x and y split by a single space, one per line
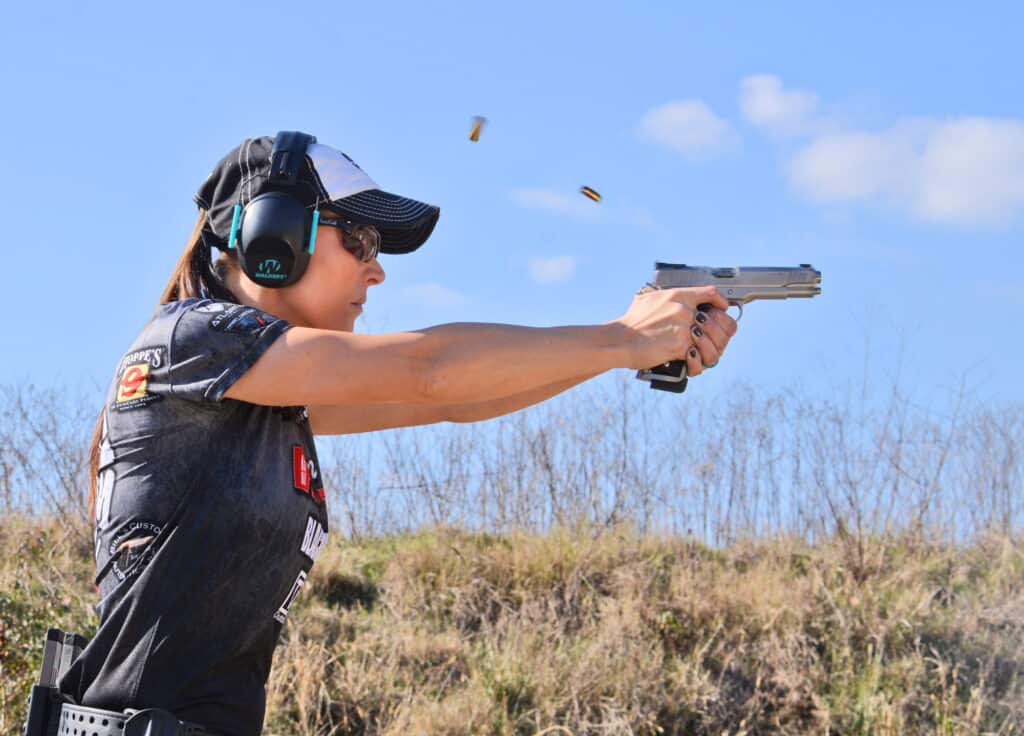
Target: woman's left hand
716 328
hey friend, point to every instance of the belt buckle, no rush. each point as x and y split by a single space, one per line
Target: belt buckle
152 722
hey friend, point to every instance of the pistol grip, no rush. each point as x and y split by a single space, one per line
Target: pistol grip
676 387
674 371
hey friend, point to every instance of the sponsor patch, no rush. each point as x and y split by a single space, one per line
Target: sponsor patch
282 612
133 376
154 357
306 475
241 320
314 540
133 388
213 307
300 470
134 382
133 558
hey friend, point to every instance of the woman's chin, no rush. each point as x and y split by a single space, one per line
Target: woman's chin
343 325
347 322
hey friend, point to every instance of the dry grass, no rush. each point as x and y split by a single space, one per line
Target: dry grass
602 632
452 633
45 580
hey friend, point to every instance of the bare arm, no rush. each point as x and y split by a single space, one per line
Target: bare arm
440 366
466 363
370 417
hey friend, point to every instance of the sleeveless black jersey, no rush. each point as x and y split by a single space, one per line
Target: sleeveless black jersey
209 515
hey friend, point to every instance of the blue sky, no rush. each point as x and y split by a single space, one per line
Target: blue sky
884 145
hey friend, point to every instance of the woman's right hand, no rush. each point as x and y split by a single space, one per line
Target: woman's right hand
667 325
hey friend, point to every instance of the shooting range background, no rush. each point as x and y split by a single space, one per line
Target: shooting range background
115 113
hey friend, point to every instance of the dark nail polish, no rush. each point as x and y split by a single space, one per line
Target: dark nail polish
693 353
701 317
697 332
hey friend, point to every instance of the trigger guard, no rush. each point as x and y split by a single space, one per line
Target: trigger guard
739 306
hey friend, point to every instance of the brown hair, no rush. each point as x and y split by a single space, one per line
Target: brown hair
192 277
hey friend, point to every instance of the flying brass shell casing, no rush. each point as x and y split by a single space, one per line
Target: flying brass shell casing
478 125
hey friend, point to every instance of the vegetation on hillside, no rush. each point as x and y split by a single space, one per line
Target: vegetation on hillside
611 562
601 631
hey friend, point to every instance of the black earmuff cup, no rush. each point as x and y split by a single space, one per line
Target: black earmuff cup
273 238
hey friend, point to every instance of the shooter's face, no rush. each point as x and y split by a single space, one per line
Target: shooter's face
332 292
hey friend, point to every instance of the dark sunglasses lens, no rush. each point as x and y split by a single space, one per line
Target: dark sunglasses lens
363 242
354 246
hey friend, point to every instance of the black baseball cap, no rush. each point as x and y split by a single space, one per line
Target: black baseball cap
329 180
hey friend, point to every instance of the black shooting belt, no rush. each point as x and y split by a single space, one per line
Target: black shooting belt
77 720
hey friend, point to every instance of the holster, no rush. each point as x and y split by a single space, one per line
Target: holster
59 651
52 714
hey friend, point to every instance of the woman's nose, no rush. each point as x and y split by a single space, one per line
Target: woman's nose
375 272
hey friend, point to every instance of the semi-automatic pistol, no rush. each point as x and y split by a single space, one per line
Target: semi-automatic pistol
739 285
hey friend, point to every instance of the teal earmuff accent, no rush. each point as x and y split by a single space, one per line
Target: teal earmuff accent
312 231
234 226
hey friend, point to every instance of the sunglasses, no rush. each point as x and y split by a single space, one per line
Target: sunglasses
362 241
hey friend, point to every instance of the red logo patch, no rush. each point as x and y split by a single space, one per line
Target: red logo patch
300 469
306 476
133 382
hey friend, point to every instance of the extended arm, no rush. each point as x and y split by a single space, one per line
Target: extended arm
461 364
440 366
370 417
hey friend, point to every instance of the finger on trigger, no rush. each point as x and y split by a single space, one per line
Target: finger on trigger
716 298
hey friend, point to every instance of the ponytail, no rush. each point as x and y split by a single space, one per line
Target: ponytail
193 276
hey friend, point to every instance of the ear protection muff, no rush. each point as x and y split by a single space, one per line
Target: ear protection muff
274 233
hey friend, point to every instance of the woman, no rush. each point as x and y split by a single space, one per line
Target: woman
208 503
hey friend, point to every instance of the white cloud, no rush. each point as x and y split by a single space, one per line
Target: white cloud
688 127
972 169
557 202
766 104
842 167
962 171
550 270
578 207
432 295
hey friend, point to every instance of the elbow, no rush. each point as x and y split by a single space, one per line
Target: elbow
436 386
446 382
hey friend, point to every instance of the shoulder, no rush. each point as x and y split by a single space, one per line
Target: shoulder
162 324
176 309
167 314
183 328
195 316
194 349
223 322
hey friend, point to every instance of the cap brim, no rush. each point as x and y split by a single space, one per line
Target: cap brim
404 224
